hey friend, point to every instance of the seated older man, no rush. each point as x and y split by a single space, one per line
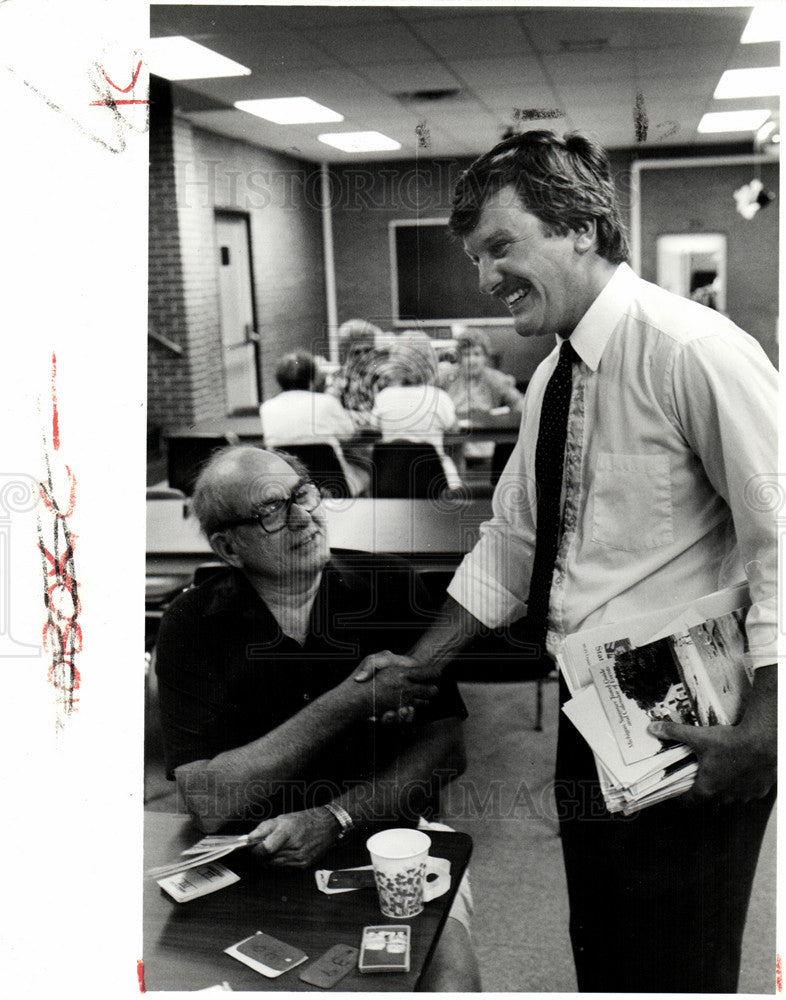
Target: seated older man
261 717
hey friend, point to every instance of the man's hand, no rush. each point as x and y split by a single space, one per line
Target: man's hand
736 763
375 662
392 694
295 839
378 661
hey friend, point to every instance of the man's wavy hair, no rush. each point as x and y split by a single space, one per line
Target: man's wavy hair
563 182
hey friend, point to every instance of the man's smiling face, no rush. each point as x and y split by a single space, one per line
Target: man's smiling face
541 277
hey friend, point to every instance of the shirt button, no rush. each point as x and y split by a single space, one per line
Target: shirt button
306 697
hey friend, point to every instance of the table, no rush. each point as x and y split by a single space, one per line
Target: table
444 528
500 428
184 942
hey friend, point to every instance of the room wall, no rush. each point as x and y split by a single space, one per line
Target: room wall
701 200
193 173
282 198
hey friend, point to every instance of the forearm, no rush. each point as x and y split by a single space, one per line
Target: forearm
401 790
453 630
231 783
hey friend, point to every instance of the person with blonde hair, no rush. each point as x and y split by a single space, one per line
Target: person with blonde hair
411 407
354 384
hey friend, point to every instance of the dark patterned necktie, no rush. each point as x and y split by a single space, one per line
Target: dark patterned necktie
549 461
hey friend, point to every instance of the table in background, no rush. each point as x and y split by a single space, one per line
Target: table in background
446 528
500 428
184 942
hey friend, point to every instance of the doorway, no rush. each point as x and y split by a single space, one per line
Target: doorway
239 337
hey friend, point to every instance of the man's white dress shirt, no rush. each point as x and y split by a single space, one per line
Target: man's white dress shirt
669 478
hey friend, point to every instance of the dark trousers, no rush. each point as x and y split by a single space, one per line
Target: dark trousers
657 900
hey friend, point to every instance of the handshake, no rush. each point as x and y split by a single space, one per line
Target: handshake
400 684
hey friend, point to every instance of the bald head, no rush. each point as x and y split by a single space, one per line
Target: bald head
233 481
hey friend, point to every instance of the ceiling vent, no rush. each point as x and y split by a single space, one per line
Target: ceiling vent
428 96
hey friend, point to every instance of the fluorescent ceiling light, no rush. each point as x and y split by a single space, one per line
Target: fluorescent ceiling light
733 121
766 24
359 142
762 81
290 110
178 58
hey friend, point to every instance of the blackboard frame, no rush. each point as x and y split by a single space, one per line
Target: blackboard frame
447 320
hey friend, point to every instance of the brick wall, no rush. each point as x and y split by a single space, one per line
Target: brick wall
192 174
169 397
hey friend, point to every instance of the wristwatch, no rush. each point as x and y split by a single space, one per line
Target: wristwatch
342 817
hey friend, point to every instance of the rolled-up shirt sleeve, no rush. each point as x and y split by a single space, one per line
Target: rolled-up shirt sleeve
492 582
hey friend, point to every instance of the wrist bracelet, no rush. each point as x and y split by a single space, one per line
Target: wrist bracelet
342 817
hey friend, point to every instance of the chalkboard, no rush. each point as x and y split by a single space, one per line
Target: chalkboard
433 279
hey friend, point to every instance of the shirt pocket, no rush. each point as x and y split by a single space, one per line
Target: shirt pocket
632 502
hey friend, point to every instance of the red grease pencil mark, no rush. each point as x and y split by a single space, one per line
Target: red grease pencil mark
778 974
62 632
140 975
110 103
124 90
55 417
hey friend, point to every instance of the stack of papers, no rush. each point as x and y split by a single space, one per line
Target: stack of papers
687 666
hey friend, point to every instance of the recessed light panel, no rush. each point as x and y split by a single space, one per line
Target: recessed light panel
766 24
733 121
359 142
290 110
178 58
761 81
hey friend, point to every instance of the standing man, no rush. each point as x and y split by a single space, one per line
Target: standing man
644 436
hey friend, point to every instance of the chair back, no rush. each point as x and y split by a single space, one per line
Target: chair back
502 452
408 469
187 454
323 465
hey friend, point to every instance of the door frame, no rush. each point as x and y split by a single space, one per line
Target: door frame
236 213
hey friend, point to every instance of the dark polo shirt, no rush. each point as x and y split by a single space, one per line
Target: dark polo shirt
227 674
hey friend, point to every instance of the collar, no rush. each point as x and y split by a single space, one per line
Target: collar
596 326
231 591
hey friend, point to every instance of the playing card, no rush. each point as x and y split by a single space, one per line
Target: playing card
198 882
175 867
331 967
266 954
216 841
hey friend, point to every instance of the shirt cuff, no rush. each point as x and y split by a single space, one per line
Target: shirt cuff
483 596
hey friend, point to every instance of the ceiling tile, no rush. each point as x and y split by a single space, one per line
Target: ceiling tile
550 29
468 37
359 45
400 77
487 74
312 16
588 67
681 61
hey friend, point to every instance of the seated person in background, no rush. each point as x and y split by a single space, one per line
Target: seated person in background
261 717
354 382
447 366
411 407
478 387
299 415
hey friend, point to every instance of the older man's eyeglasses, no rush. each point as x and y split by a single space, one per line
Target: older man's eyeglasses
272 515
